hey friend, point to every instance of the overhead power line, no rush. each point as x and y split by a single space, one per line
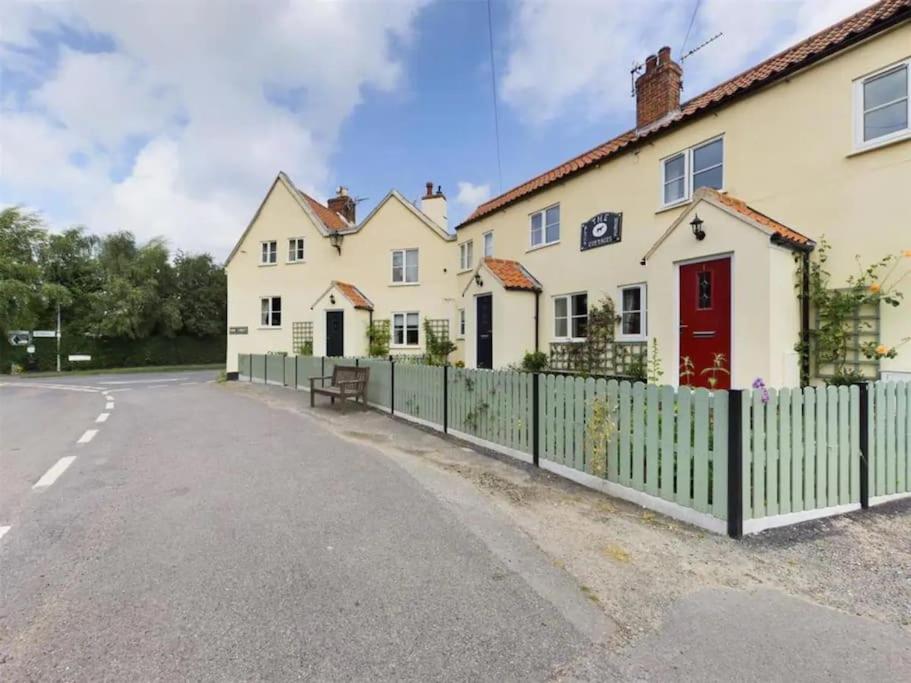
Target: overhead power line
493 87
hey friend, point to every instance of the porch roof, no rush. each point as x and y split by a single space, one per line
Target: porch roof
350 292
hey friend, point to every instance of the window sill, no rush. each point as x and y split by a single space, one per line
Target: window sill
464 270
675 205
268 265
542 246
903 137
636 338
404 284
406 347
270 328
568 340
294 263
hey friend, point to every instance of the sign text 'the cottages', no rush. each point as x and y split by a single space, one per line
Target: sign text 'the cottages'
600 229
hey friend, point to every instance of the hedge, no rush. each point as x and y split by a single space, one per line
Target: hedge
114 353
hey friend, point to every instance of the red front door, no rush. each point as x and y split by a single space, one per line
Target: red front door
705 324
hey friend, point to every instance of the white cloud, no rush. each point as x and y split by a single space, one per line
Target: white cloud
571 62
471 195
181 127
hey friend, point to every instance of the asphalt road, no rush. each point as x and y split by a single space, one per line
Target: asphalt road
200 534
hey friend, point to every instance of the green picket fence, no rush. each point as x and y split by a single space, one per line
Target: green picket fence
419 392
379 387
890 439
492 406
798 451
801 450
666 442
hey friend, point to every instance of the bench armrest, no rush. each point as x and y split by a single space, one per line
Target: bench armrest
313 380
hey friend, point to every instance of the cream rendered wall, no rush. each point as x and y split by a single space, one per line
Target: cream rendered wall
788 153
365 261
356 321
299 284
761 327
513 321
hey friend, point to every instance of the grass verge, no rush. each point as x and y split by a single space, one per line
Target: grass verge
123 371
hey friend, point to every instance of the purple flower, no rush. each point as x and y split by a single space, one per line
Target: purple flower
764 392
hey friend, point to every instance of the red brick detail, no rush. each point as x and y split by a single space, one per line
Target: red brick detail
658 88
344 205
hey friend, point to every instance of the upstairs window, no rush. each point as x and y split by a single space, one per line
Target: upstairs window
488 243
270 311
632 313
685 172
466 255
295 250
571 316
405 266
545 226
405 329
883 105
269 253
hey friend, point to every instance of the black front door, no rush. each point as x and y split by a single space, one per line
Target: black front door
335 333
484 323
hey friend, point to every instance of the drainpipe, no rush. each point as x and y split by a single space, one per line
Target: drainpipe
537 306
805 320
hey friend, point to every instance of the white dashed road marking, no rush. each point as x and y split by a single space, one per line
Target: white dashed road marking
52 474
145 381
3 530
88 436
103 417
109 405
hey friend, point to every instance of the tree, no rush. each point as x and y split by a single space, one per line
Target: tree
22 237
201 294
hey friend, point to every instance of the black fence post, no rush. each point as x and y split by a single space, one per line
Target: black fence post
296 373
735 463
535 403
446 399
322 366
864 427
266 369
250 365
391 386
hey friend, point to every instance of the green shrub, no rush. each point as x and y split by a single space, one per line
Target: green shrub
534 361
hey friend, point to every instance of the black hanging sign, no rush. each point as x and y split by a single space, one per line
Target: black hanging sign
600 229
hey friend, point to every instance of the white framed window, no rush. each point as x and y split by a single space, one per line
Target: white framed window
488 243
571 316
269 253
295 250
461 323
405 329
270 311
633 313
405 266
685 172
466 255
882 105
545 226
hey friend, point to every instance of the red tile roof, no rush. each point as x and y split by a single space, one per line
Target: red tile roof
354 295
512 274
741 207
329 217
838 36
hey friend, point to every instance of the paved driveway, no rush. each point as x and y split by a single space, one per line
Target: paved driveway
200 534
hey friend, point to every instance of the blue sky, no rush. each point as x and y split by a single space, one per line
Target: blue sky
174 123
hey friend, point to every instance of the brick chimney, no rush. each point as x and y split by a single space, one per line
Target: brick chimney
342 203
658 89
433 204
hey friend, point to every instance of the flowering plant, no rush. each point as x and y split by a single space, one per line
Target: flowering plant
763 390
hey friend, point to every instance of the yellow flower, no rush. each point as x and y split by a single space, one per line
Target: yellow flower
882 350
875 287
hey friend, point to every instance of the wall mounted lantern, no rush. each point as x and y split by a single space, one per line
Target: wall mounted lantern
696 224
477 280
332 299
335 239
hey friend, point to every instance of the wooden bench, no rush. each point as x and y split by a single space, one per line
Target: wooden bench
347 381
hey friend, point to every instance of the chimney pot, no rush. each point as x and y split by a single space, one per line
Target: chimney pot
650 63
664 55
428 188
